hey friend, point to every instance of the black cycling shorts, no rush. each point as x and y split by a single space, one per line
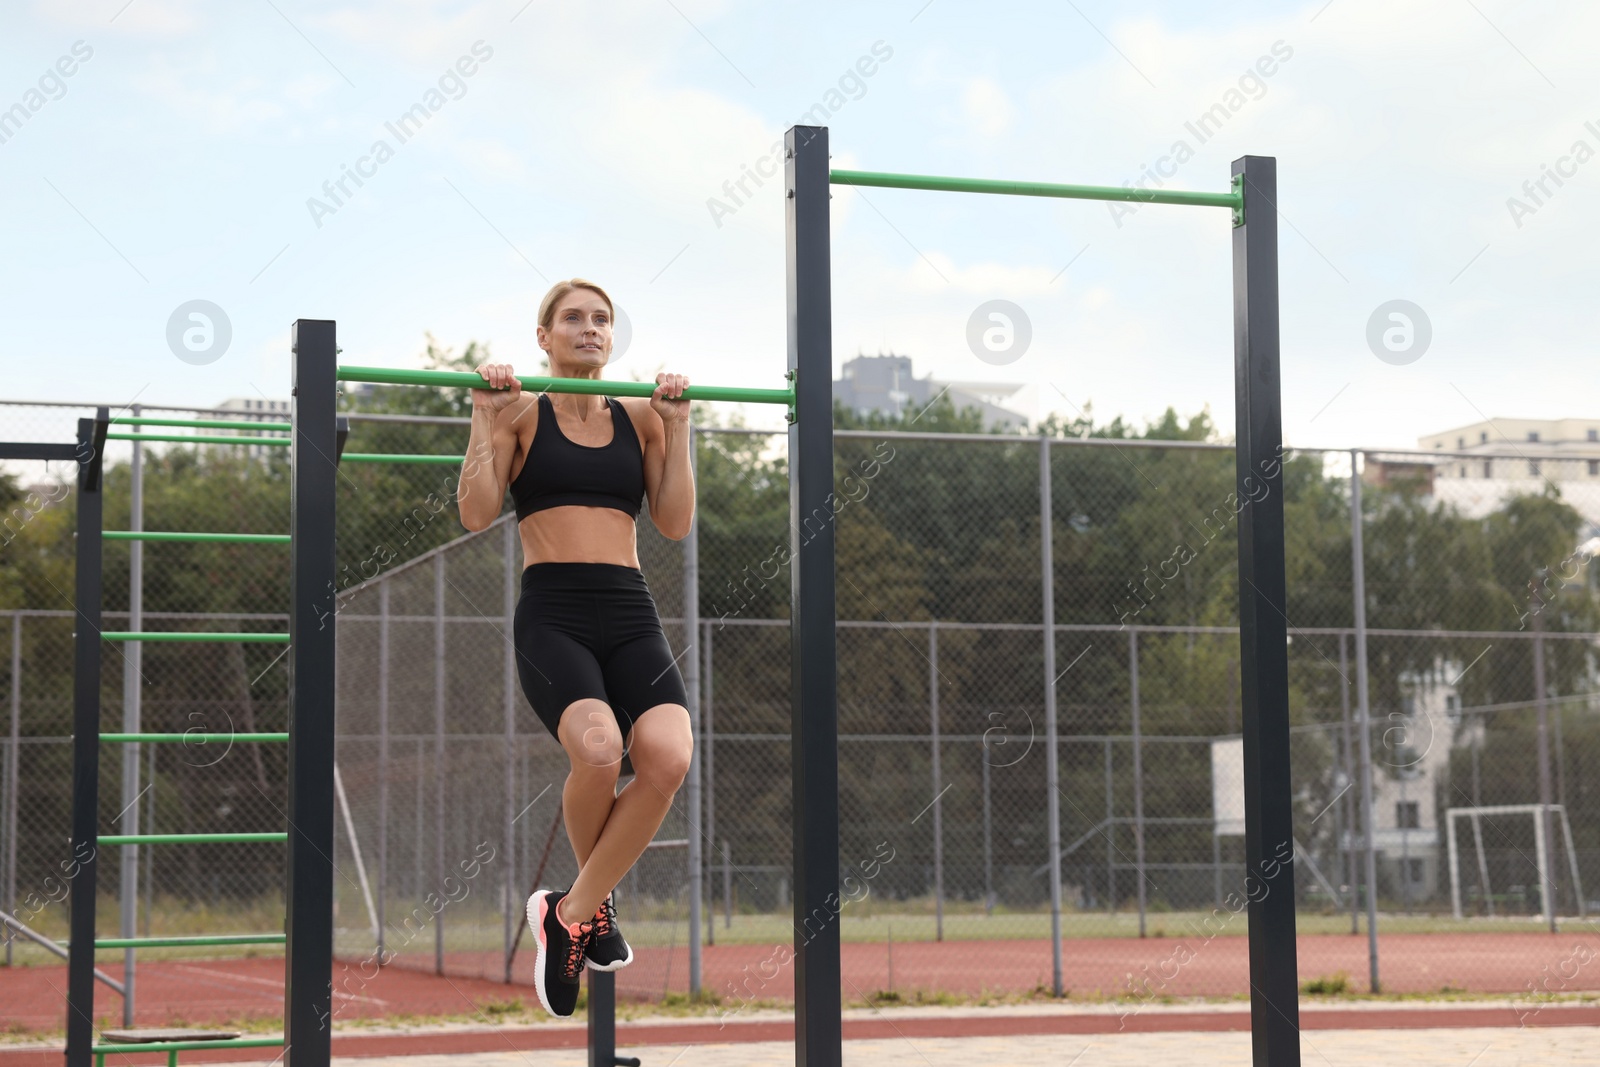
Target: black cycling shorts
590 630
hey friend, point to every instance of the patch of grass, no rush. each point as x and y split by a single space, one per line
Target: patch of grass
1334 985
921 998
705 999
497 1009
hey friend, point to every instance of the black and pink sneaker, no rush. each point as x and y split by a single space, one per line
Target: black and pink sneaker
608 951
561 953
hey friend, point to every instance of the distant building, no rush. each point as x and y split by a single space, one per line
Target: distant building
1411 769
256 409
1555 449
1481 466
885 384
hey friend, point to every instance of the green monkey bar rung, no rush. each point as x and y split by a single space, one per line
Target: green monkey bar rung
397 457
587 386
190 941
197 738
192 839
204 424
199 439
181 636
219 538
172 1048
1233 199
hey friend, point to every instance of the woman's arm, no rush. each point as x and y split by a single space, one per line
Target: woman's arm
668 476
486 469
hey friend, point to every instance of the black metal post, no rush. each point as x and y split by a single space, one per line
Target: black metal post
603 1022
313 456
1263 622
82 866
813 665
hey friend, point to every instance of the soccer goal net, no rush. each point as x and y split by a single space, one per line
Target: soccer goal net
1542 827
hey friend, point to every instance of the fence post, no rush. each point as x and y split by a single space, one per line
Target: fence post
1111 832
1138 773
691 663
148 867
938 788
1216 865
509 673
420 838
988 835
132 663
1052 770
13 768
727 884
1348 830
1405 844
1559 752
383 764
1455 861
1358 568
439 645
1547 881
708 732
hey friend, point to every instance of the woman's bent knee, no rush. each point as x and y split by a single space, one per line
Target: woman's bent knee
591 738
662 748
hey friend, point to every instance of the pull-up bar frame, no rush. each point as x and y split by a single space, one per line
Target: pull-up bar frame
1263 622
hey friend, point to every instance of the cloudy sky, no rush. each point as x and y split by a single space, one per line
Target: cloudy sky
195 150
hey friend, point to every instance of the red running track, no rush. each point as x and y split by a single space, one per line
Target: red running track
207 992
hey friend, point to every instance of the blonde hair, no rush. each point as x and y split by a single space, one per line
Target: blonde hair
547 306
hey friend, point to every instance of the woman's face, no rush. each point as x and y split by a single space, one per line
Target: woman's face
580 331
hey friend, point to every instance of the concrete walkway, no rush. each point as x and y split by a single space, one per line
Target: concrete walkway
1501 1047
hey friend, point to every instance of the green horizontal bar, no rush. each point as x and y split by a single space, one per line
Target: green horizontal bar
184 942
190 839
1234 199
199 439
220 538
195 636
397 457
199 737
187 1046
587 386
204 424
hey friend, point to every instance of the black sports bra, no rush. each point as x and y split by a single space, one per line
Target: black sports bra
558 471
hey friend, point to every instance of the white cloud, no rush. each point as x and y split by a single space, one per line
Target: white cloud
170 18
986 279
246 104
311 88
987 108
491 157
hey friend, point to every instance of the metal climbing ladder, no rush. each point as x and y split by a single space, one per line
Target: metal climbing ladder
87 738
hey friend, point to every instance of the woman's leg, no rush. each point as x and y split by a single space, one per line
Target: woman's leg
593 743
660 747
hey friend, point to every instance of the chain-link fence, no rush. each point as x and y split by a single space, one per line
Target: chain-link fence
1480 635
